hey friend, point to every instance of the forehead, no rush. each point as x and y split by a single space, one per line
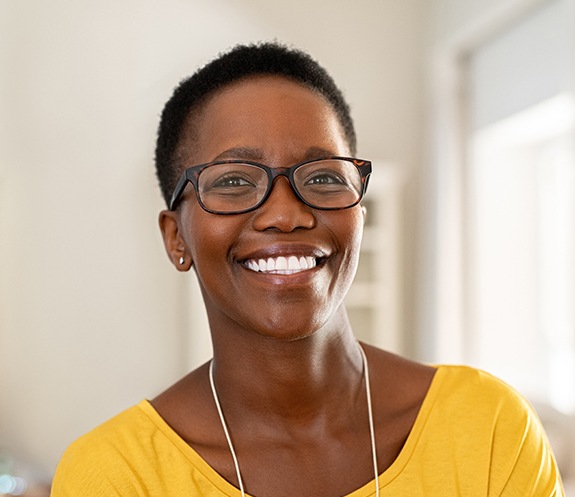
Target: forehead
271 113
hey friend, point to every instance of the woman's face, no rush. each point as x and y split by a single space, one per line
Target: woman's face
279 123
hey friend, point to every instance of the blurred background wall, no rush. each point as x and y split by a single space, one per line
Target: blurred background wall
92 316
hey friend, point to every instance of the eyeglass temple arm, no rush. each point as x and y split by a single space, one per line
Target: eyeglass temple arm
178 190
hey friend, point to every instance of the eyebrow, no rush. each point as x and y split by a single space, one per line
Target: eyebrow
256 154
245 153
318 153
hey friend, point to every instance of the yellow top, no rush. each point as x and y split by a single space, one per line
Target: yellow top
474 436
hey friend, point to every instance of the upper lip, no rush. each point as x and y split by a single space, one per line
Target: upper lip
285 249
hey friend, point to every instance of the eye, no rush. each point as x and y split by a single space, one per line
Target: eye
224 179
232 180
324 177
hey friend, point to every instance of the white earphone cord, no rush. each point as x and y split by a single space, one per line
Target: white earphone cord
369 412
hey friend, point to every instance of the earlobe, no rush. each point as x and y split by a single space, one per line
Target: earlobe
173 241
364 212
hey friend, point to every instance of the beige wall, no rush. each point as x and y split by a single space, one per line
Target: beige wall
458 24
450 17
92 316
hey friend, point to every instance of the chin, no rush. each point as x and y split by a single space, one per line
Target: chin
295 325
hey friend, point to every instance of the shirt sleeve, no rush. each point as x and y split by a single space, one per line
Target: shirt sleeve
522 463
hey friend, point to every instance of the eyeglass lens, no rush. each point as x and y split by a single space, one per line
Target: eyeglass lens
327 184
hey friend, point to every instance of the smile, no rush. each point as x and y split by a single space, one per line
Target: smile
281 265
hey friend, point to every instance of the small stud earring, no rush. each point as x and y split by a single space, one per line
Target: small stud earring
182 261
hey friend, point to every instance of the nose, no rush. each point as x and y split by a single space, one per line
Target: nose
283 210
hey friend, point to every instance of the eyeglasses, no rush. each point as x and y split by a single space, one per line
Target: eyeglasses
237 186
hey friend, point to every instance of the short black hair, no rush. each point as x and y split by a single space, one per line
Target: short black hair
242 61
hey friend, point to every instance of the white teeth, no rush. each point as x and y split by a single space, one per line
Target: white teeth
253 265
282 264
293 263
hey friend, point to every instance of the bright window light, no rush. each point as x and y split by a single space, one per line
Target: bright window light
521 249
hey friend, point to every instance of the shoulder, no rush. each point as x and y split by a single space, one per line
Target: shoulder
478 387
135 454
469 398
471 424
488 420
126 428
90 463
444 390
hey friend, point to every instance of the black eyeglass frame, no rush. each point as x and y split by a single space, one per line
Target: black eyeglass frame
191 175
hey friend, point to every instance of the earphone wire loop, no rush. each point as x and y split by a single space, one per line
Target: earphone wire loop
225 427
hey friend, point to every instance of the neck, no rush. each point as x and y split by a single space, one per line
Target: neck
296 380
369 413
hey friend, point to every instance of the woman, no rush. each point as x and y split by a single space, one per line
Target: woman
255 157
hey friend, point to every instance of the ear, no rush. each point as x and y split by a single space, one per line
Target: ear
173 240
364 212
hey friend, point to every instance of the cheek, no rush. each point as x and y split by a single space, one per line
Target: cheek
354 232
353 254
349 233
207 236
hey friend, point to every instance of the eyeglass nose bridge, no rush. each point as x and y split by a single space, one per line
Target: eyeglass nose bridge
273 174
